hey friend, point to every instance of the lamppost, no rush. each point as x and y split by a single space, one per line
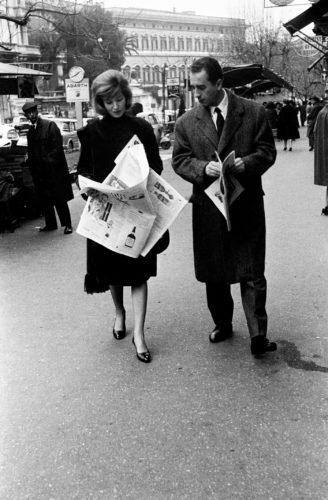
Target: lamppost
104 50
164 71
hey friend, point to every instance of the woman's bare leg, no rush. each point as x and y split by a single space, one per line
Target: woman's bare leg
139 301
118 296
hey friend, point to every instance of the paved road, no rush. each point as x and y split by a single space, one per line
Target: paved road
81 418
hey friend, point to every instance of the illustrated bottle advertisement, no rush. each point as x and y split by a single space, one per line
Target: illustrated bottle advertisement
131 238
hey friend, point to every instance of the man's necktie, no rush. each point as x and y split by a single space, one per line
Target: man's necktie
219 121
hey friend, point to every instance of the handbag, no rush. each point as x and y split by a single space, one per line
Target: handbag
162 243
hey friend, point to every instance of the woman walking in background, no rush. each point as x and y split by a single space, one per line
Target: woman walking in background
287 125
101 141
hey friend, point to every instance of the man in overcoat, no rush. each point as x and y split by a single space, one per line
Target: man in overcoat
221 123
321 152
312 118
49 170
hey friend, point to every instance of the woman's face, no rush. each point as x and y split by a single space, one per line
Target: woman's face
116 105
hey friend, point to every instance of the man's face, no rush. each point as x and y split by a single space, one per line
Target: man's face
207 93
32 115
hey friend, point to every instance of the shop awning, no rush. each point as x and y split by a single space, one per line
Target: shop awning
307 17
244 74
13 70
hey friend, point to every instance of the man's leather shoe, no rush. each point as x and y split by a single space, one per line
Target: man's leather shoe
220 333
47 228
261 345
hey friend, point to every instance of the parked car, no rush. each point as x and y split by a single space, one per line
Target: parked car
68 128
153 120
8 136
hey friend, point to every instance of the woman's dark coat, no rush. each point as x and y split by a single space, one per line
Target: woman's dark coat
101 141
287 126
47 163
238 255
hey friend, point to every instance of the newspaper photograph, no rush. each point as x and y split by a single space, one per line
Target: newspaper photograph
132 208
225 189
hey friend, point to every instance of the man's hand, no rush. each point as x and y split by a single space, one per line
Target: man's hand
237 168
213 169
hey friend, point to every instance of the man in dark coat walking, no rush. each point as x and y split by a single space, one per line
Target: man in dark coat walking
312 118
48 166
222 123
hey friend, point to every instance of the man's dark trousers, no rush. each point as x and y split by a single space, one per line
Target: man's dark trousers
62 211
253 295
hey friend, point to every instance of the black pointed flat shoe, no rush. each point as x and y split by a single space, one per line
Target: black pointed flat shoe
145 357
119 334
324 211
68 230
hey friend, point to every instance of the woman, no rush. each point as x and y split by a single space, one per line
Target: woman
101 141
287 127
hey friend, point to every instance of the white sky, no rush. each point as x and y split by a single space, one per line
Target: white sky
249 9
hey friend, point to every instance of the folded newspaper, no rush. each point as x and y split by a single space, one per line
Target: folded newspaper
225 189
132 208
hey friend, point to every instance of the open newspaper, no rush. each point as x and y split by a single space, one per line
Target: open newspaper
132 208
225 189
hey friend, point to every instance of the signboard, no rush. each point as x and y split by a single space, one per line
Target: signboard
173 87
77 91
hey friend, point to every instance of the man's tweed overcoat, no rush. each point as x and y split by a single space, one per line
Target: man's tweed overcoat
238 255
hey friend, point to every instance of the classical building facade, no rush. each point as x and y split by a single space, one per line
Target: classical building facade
169 41
14 44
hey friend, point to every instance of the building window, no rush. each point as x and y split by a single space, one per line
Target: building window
173 72
144 43
154 43
205 44
146 74
172 43
197 44
136 73
180 43
127 72
157 74
189 43
181 73
220 45
163 43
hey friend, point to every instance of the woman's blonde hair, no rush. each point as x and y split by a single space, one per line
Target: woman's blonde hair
107 85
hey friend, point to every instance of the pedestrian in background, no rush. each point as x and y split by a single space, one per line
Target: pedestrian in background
316 107
222 123
287 125
101 141
303 112
321 153
272 115
47 163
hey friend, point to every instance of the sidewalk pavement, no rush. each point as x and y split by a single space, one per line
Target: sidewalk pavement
82 418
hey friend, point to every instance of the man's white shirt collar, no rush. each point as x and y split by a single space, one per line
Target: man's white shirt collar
223 107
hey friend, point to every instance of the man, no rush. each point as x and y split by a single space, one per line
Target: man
312 118
321 152
48 166
223 123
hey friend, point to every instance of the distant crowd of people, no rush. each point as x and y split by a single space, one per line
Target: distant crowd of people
286 117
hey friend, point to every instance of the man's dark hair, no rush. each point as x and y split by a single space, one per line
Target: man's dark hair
210 65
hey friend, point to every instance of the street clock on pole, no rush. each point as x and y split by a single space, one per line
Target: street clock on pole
76 74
